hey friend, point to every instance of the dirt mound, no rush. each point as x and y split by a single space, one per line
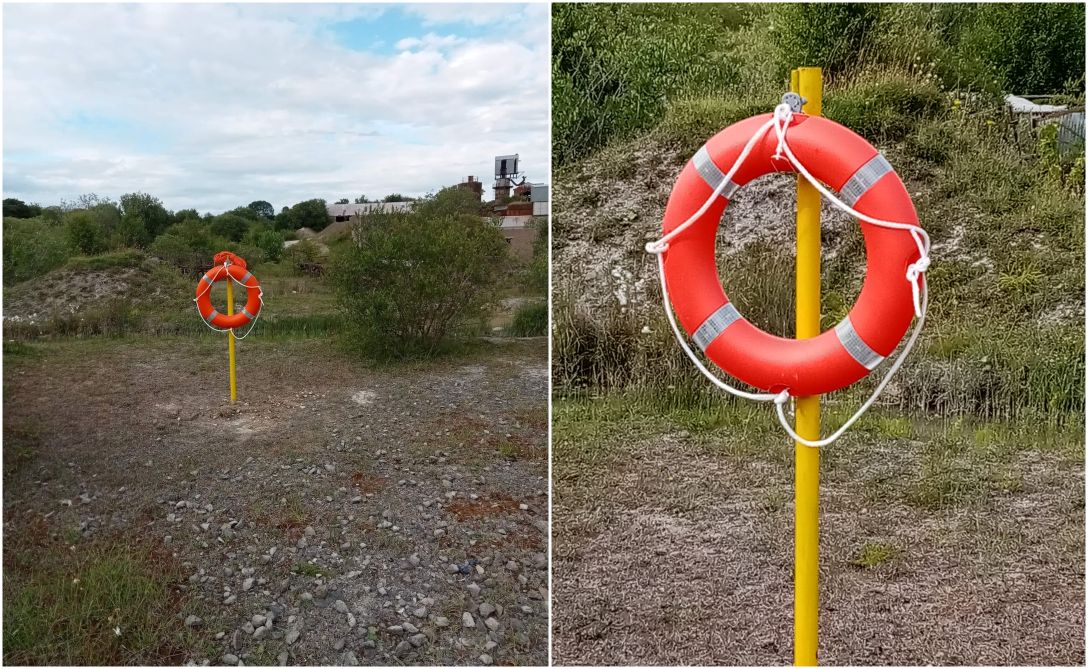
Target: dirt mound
68 291
305 233
603 215
334 231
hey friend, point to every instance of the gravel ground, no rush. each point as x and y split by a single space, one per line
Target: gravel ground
334 515
672 548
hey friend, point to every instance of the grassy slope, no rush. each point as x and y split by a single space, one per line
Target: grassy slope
1005 335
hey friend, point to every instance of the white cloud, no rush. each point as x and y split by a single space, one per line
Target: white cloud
212 106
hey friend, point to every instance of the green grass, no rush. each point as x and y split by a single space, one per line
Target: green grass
120 258
945 463
310 569
530 320
21 445
874 554
98 604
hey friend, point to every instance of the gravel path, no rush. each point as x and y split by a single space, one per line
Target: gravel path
335 515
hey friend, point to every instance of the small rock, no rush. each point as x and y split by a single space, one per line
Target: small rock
247 584
466 620
292 635
485 659
230 658
486 609
193 621
340 606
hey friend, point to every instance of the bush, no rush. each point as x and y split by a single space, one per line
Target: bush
828 35
93 230
84 233
189 246
884 108
411 279
142 218
1029 49
530 320
32 247
302 255
14 208
308 214
230 226
270 242
615 67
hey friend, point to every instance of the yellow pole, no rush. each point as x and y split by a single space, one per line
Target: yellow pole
230 339
808 82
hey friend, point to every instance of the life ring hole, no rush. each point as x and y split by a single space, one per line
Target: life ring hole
755 251
218 296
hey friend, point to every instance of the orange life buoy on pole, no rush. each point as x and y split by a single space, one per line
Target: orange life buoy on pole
845 162
228 266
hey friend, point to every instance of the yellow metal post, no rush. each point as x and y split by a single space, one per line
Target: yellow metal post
230 339
808 82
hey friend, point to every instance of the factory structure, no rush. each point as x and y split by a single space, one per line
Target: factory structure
517 201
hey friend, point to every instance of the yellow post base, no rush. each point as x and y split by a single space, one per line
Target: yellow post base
230 340
808 82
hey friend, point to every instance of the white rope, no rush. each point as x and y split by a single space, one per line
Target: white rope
260 298
915 275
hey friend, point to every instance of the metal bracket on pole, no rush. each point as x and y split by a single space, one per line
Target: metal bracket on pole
795 101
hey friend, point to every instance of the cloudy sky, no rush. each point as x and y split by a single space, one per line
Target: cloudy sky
214 106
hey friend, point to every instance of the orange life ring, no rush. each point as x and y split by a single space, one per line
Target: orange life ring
228 265
846 163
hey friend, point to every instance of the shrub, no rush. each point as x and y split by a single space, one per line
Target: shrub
93 230
884 108
270 242
84 233
1029 49
530 320
303 254
32 247
231 226
142 218
308 214
615 67
189 246
534 276
410 279
14 208
827 35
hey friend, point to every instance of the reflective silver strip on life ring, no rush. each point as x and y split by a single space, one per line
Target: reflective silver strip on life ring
211 316
710 172
715 324
856 346
248 315
246 277
864 179
207 280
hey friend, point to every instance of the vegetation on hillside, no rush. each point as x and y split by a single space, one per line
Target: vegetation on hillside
617 68
1004 205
